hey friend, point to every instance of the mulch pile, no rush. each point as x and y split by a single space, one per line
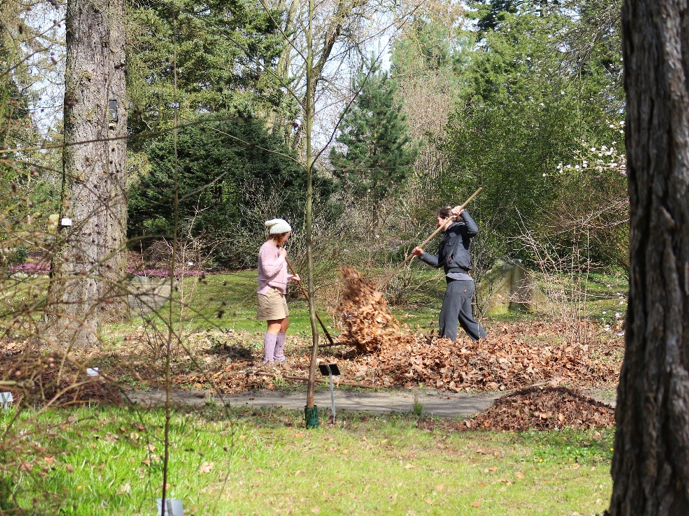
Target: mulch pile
548 408
44 378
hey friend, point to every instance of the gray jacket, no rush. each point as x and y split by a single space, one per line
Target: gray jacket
453 251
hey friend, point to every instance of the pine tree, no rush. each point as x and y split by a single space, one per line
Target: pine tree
377 153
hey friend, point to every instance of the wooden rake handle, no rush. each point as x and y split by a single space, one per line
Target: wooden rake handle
306 295
441 228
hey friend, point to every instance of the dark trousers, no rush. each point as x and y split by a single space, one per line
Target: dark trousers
457 308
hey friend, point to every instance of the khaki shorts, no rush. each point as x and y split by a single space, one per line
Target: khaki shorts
272 306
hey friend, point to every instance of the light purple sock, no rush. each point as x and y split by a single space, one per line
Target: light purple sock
280 347
269 347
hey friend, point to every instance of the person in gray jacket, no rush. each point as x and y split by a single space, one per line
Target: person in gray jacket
453 255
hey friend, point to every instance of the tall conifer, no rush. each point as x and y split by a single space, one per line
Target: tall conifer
376 153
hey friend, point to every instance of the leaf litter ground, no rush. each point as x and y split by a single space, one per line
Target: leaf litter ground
380 352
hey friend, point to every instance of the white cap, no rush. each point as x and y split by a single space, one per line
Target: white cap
278 226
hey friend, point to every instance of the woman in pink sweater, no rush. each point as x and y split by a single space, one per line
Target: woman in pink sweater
272 286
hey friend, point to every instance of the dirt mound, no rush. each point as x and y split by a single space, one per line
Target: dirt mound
45 378
548 408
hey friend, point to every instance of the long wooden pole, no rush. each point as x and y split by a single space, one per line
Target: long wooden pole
306 294
441 228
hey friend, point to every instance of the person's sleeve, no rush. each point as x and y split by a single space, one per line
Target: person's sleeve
430 259
470 224
271 265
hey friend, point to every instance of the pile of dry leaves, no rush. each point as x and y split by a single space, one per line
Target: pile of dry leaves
377 351
513 356
43 378
391 355
385 353
368 324
504 360
546 408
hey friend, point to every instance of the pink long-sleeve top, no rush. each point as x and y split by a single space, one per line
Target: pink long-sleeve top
272 269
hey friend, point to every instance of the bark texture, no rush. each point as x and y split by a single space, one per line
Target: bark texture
650 466
92 265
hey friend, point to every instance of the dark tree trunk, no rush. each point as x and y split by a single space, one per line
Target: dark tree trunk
92 264
650 466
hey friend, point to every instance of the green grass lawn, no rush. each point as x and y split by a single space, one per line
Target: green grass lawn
229 301
105 460
605 301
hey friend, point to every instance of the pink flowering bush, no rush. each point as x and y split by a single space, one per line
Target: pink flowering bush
164 273
30 268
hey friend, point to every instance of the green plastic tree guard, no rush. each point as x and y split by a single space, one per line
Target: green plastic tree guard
311 414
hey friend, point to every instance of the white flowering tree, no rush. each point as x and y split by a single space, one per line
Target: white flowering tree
593 201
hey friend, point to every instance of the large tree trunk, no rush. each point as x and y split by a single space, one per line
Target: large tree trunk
650 465
93 260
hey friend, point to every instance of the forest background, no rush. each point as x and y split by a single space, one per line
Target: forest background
417 105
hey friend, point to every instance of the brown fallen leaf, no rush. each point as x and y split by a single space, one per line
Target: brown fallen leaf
206 467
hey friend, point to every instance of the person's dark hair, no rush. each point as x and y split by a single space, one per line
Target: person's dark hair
444 212
277 236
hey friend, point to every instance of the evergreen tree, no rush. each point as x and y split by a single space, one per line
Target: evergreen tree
223 50
224 170
377 153
491 13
